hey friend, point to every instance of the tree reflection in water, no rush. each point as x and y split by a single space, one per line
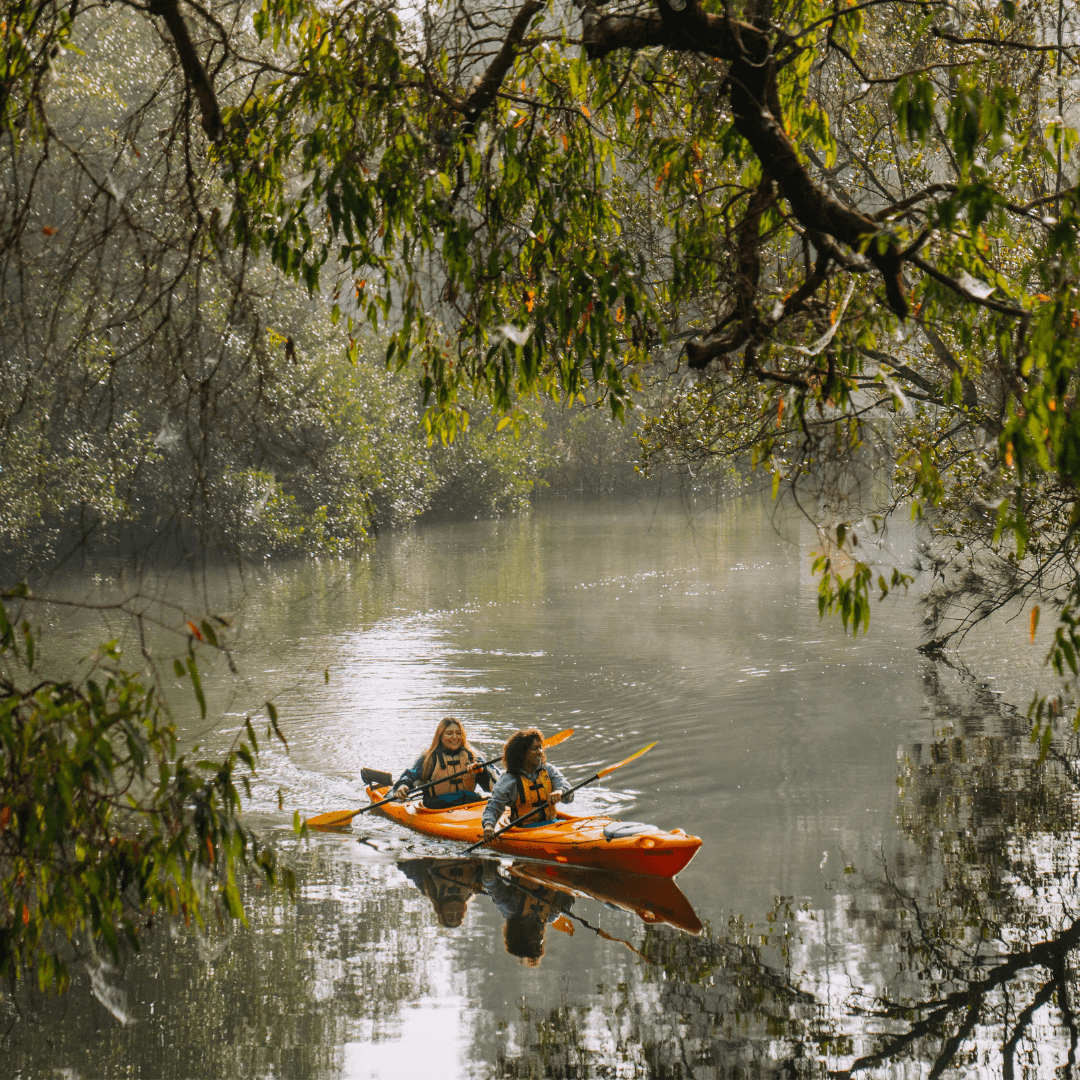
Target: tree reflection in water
974 927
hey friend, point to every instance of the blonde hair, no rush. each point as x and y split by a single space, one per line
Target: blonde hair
429 755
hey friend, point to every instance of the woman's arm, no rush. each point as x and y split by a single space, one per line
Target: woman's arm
499 801
409 778
560 784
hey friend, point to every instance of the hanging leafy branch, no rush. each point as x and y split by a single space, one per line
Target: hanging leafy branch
103 827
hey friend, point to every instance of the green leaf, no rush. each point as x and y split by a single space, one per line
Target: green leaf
196 682
272 713
232 902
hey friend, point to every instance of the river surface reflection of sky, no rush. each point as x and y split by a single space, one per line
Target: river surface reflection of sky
876 837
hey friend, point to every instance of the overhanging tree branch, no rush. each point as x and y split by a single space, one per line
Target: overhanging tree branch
194 73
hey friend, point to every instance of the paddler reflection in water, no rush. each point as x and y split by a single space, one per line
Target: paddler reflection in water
451 883
529 782
527 912
448 883
449 753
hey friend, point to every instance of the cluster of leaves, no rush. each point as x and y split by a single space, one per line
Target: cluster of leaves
484 475
103 826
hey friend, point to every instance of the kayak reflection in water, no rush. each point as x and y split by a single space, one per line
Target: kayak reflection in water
451 883
448 754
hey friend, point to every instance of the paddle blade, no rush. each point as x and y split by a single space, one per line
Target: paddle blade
376 778
335 819
562 736
625 761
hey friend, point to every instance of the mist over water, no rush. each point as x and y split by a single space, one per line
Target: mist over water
875 831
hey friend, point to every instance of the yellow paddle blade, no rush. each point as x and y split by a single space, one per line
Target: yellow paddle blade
625 761
564 924
556 739
334 819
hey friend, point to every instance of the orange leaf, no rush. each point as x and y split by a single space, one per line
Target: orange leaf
565 142
1009 454
779 411
530 299
195 630
586 112
25 915
49 230
619 314
1041 296
564 924
5 817
1034 621
524 117
1052 405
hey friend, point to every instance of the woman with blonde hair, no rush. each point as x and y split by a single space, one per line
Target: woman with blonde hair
448 755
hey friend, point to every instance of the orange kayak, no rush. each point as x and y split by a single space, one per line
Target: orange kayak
599 841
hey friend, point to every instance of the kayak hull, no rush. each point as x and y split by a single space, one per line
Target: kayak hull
566 841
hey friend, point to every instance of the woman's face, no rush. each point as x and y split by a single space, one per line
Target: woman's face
534 756
452 737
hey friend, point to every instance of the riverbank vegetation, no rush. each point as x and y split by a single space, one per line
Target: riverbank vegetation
274 276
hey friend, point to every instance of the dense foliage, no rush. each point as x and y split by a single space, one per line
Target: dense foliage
159 387
102 825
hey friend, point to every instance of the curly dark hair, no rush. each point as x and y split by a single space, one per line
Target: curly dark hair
523 936
517 746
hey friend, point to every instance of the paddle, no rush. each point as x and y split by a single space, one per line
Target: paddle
336 818
540 808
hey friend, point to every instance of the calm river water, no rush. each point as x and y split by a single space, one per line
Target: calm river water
882 860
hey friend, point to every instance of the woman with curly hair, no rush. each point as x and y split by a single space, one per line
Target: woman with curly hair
529 782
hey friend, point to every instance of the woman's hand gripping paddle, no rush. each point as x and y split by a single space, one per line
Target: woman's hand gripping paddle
336 819
540 808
